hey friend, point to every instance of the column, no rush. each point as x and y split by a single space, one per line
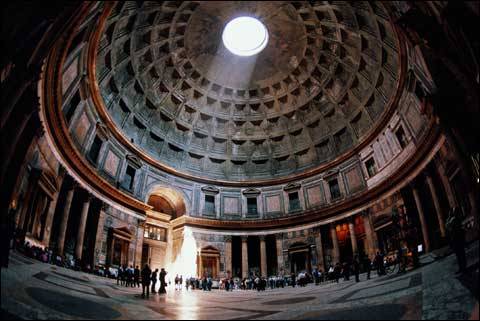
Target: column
63 223
244 257
28 200
263 256
421 216
81 228
200 264
280 263
319 247
169 252
99 257
436 203
139 243
228 256
336 249
49 220
370 237
353 237
217 266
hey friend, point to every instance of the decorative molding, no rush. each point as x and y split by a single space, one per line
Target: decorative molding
134 160
251 192
102 131
292 187
210 190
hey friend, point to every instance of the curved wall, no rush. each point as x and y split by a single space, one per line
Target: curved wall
132 178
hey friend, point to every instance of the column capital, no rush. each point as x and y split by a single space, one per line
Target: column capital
244 238
262 237
227 238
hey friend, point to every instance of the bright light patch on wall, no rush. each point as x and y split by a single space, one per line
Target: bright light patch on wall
186 263
245 36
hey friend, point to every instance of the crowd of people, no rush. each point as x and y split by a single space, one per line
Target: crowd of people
129 276
47 255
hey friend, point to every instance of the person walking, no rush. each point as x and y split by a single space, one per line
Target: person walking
146 275
163 283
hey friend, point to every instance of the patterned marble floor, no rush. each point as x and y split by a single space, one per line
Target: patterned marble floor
32 290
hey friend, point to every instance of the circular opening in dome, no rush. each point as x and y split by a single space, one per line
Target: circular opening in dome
245 36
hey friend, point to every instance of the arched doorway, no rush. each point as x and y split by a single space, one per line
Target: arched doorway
300 258
208 262
158 247
167 201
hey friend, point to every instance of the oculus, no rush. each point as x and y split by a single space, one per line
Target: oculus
245 36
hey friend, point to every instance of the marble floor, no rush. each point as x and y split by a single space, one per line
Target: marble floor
32 290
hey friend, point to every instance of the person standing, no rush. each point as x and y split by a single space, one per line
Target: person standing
163 283
120 276
146 274
457 238
337 271
154 280
136 276
368 265
356 268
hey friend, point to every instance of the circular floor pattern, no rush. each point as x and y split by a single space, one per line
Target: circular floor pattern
377 312
71 305
290 300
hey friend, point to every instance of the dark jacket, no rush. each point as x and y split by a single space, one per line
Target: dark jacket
146 273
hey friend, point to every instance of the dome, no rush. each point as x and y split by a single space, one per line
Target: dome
316 91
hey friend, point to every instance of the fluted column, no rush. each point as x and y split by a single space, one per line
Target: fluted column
81 228
244 256
353 237
279 244
319 248
228 256
336 248
263 256
64 221
421 216
436 203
